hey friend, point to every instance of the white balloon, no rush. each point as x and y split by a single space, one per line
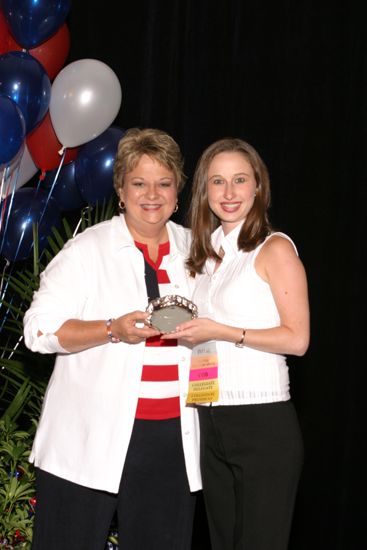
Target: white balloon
17 173
85 100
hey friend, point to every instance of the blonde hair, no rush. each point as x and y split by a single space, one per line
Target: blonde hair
158 145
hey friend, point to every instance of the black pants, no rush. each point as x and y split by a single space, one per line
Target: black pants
251 459
154 506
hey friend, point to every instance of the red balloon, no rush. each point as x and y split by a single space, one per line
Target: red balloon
53 52
4 33
44 147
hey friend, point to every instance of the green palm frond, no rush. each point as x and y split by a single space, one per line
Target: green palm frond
98 213
17 404
23 379
20 368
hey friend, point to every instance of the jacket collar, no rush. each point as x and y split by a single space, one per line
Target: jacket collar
178 236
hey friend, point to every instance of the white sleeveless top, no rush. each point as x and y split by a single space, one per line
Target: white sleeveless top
237 296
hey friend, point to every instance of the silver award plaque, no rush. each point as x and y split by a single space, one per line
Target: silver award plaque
169 311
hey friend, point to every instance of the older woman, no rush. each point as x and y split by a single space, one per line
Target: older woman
115 435
251 292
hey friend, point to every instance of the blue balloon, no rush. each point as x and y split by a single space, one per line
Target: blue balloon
32 22
25 81
29 206
12 129
94 166
65 191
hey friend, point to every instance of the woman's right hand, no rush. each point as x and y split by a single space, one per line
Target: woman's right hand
77 335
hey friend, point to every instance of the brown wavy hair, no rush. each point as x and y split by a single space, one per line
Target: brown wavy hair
158 145
203 221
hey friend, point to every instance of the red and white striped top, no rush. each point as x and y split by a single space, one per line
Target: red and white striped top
159 388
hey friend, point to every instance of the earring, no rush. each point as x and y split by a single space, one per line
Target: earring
121 207
176 207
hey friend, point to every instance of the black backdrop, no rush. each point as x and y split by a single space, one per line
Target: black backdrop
289 77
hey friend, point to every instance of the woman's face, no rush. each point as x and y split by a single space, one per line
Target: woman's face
149 194
231 188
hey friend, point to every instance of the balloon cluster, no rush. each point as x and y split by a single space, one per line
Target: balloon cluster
54 119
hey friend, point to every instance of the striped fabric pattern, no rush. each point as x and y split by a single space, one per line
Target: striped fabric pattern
159 388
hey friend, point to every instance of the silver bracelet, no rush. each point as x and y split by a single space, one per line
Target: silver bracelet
113 339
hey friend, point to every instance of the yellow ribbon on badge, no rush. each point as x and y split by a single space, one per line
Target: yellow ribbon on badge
203 379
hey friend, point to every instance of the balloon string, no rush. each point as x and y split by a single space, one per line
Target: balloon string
53 185
50 192
7 264
2 202
15 347
3 292
11 195
43 211
3 178
2 214
82 218
21 238
77 227
3 194
7 220
5 316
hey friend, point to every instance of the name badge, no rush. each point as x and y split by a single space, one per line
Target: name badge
203 380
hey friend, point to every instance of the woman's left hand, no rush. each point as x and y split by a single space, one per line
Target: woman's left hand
195 331
128 330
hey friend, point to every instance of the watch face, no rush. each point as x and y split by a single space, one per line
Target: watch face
169 311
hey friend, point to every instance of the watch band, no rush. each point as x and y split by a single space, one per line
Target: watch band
241 343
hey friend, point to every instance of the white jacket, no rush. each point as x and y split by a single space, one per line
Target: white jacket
89 406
